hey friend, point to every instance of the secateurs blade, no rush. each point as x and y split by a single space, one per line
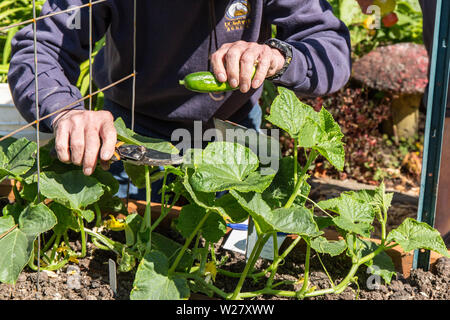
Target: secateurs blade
142 156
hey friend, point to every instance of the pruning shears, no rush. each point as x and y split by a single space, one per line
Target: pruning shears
142 156
139 155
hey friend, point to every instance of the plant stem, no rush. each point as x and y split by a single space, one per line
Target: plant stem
111 244
49 243
146 226
281 293
251 261
199 279
333 290
98 213
306 273
96 243
325 270
312 156
273 267
213 253
52 267
55 247
164 213
83 238
295 160
275 258
315 204
187 243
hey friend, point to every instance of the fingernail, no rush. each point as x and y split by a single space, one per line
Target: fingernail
233 83
87 172
244 87
106 156
221 77
256 83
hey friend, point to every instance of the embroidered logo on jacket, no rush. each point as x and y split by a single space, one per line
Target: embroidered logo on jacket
237 15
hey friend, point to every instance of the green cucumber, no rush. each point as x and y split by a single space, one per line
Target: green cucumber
205 81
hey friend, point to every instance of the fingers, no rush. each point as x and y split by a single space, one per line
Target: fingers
234 62
81 135
77 144
262 70
218 62
62 143
248 61
92 147
108 135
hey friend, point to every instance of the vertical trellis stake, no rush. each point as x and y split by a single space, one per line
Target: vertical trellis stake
436 105
38 140
90 55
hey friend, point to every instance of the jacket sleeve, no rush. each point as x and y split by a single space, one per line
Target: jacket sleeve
320 42
62 44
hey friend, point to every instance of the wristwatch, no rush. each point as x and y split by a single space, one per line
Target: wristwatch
286 50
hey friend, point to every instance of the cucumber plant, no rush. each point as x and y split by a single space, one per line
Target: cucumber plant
165 269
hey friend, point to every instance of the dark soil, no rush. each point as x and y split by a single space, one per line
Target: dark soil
89 280
421 285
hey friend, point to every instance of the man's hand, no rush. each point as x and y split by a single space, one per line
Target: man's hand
234 62
81 135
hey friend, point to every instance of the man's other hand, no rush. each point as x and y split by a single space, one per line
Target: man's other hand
81 135
234 62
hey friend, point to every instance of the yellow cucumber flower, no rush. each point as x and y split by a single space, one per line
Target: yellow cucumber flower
114 225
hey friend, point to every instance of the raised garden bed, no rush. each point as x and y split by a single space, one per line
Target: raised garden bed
178 259
93 280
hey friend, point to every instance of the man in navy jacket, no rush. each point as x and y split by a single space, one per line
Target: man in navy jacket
310 56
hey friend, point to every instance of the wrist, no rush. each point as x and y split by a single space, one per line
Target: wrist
285 50
279 59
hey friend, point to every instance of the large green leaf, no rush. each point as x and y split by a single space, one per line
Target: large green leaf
295 220
288 112
36 219
128 136
14 210
6 223
226 205
354 215
333 248
228 166
212 230
412 235
16 157
323 134
202 199
152 281
14 253
16 246
377 197
257 207
72 189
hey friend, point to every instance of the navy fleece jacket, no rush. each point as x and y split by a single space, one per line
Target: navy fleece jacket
172 41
